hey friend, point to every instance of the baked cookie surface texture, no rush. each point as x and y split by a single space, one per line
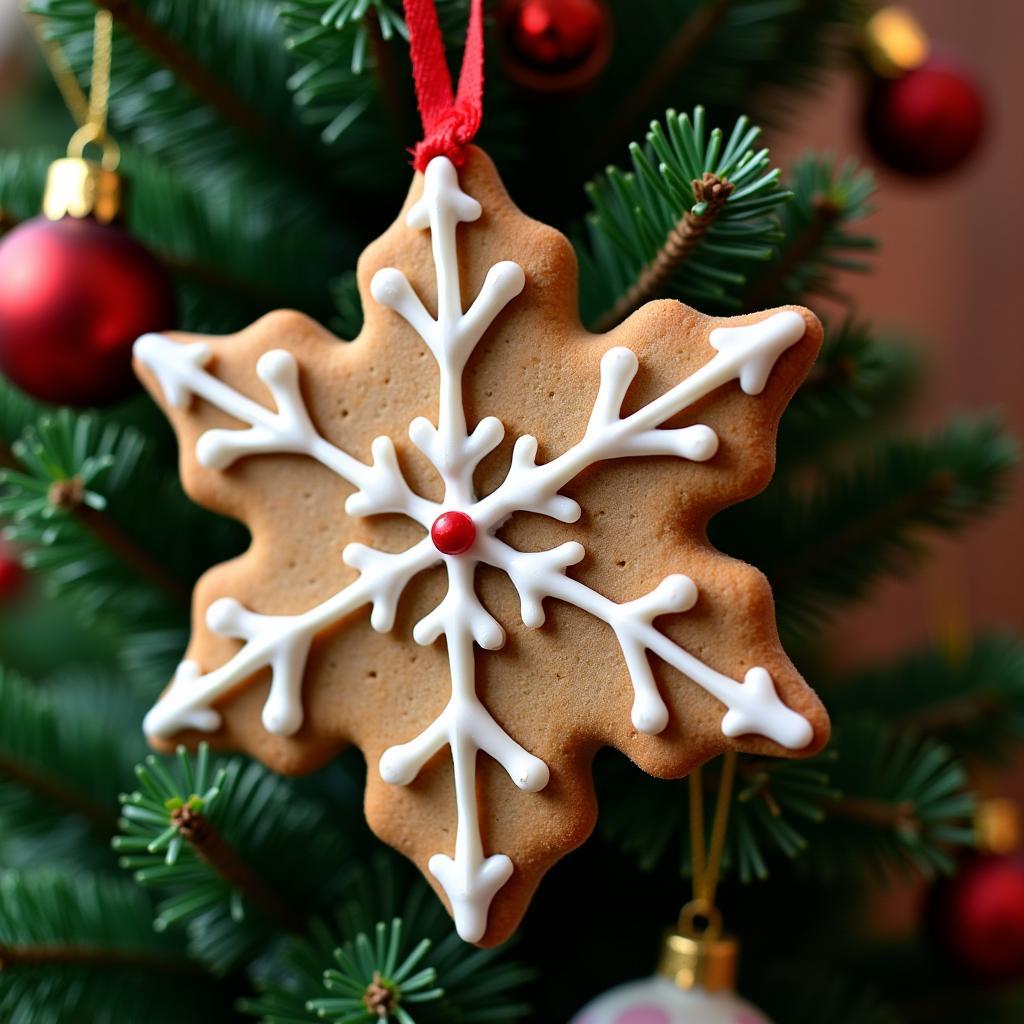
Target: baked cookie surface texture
478 542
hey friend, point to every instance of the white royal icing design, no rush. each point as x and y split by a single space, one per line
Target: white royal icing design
281 643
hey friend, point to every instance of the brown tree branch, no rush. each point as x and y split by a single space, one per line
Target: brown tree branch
805 564
901 816
766 288
198 831
678 247
90 956
54 790
68 495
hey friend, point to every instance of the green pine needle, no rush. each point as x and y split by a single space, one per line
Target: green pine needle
262 857
824 546
390 938
973 700
81 948
634 250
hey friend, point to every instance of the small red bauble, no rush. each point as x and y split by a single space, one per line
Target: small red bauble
555 45
74 296
453 533
926 121
976 919
12 575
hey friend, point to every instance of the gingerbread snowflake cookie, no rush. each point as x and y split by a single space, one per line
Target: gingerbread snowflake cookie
479 529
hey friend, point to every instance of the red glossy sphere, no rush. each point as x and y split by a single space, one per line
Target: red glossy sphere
977 917
12 575
453 533
74 296
928 120
555 44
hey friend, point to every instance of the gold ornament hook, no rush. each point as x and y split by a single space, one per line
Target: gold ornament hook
91 133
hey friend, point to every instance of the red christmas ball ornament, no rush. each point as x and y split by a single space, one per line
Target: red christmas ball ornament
453 533
555 45
928 120
976 919
76 290
12 575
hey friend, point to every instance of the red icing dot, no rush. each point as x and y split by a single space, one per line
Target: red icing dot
453 533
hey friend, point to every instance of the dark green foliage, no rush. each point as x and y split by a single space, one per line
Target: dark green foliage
858 382
17 411
825 545
250 139
78 511
457 983
813 996
817 240
81 948
972 700
65 749
903 803
775 800
639 214
232 902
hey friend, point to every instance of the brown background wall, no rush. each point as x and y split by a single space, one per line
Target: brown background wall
950 273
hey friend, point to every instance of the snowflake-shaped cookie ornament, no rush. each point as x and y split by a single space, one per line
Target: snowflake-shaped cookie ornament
487 537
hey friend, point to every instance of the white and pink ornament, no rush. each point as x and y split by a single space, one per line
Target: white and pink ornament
657 1000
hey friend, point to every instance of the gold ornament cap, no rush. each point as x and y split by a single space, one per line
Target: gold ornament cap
997 826
894 42
77 187
706 959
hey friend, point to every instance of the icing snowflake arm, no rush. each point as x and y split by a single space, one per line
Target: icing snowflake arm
281 643
181 373
470 878
454 334
747 354
752 706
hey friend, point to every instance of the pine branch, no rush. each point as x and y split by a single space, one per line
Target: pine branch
54 791
81 948
709 191
974 703
694 206
208 111
64 760
237 855
903 803
199 832
817 240
774 804
68 496
60 506
388 945
858 381
192 74
826 546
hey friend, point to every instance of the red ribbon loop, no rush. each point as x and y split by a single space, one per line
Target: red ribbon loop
449 121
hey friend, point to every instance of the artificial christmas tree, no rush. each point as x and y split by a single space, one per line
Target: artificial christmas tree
267 146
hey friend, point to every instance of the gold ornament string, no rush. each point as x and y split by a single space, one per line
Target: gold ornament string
707 860
89 113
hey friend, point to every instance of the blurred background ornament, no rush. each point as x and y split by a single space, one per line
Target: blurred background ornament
12 575
76 289
555 45
976 918
696 978
925 114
